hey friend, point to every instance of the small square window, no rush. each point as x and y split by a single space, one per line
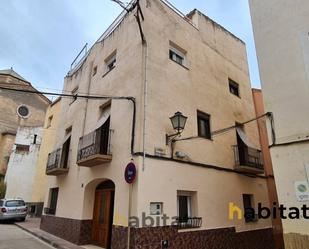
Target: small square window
156 208
110 62
203 122
234 87
177 54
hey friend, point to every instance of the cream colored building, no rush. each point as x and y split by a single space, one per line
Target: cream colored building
281 37
47 144
185 63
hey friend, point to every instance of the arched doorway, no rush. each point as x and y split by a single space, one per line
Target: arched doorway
103 213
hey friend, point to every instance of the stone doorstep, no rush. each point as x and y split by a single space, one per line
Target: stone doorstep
46 237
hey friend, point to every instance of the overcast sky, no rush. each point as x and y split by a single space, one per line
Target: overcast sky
39 39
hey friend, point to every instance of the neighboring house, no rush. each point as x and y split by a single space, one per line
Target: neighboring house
22 167
272 191
48 142
17 109
26 174
281 38
186 63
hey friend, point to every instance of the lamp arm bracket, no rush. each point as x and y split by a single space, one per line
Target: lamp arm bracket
169 138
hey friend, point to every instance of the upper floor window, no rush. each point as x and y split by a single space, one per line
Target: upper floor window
66 148
234 87
110 62
22 149
23 111
74 93
203 122
49 121
177 54
94 71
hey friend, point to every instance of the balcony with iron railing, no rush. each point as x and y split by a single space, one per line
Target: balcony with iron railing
54 165
248 160
95 148
189 222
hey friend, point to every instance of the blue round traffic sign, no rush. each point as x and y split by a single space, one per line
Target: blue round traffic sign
130 173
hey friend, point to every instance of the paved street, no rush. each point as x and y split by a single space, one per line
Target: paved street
12 237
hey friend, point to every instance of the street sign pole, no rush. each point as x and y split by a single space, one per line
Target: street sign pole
130 176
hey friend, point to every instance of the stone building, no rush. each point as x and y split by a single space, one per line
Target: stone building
17 109
141 71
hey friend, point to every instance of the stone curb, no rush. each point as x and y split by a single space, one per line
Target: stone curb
41 237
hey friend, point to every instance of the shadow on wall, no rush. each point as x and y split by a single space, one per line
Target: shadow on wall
2 187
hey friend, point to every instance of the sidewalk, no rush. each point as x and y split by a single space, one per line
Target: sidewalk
32 225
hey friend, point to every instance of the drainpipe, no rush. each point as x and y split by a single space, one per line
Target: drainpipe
87 93
145 58
86 105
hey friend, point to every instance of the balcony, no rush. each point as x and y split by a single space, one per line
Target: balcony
189 222
95 149
54 167
248 160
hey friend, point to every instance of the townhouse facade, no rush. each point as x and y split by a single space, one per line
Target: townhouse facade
151 64
281 37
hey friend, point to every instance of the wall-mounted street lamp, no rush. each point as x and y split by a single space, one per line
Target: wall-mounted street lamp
178 123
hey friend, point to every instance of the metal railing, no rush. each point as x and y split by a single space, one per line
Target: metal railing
95 143
54 160
189 222
246 156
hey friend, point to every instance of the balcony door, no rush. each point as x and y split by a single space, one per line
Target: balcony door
105 137
103 214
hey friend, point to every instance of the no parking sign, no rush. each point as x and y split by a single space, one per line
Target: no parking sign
130 173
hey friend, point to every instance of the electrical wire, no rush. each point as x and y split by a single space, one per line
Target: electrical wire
65 94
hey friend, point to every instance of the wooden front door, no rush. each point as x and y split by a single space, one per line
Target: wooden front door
102 217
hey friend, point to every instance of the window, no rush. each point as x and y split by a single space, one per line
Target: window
21 148
15 203
156 208
23 111
203 121
234 87
184 206
177 54
94 72
66 149
248 208
53 201
74 93
187 210
35 137
49 121
110 62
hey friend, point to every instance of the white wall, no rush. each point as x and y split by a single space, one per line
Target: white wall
22 166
